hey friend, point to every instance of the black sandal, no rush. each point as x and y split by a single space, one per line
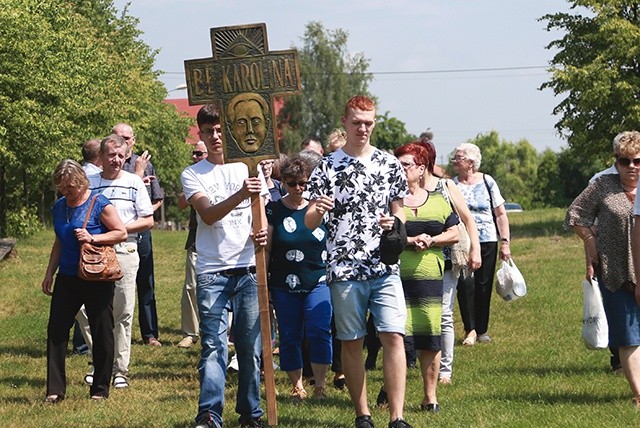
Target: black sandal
53 399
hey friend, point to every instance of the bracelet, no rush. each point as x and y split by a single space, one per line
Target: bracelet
92 239
504 240
587 237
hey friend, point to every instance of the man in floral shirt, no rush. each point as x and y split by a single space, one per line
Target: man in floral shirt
360 189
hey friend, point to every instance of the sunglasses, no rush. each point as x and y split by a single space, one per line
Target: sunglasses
626 161
297 183
198 153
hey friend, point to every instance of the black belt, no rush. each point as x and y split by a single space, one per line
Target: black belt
238 271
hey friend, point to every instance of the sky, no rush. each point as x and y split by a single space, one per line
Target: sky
459 67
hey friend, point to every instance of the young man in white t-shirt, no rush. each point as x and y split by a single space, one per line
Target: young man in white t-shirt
226 276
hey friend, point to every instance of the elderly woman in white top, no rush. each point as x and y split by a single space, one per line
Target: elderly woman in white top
486 204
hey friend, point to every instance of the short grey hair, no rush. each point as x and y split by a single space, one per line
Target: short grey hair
471 152
311 157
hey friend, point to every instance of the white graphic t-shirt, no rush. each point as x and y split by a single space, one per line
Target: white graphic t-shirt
226 243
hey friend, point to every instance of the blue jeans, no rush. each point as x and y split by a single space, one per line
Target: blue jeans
303 315
217 295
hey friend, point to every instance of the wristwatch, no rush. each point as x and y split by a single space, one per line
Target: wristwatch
504 240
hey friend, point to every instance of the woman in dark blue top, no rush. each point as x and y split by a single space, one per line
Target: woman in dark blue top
297 270
69 292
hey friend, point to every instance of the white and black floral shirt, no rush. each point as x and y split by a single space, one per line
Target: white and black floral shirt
362 191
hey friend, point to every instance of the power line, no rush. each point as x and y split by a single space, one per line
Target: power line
451 70
463 70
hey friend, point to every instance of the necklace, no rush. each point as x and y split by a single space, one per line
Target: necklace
70 211
76 203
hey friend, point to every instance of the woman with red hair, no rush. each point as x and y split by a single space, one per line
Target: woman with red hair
431 224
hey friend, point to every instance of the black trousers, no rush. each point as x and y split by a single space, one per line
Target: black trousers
474 294
69 294
145 283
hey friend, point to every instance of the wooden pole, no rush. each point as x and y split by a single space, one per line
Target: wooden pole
259 223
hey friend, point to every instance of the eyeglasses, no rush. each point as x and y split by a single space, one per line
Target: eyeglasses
407 165
198 153
267 163
209 132
297 183
626 161
458 158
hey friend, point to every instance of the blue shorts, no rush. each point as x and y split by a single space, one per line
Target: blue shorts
383 297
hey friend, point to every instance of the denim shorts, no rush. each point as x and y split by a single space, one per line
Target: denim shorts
623 316
383 297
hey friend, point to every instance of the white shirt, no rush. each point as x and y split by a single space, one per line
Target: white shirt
611 170
91 169
226 243
127 193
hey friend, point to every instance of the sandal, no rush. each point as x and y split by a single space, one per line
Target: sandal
445 381
469 340
98 398
120 381
53 399
339 381
298 394
88 378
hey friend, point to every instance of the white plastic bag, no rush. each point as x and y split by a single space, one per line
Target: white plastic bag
595 330
510 285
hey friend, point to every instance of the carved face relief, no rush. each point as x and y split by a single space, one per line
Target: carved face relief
248 126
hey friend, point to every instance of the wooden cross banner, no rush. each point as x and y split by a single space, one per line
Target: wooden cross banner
242 78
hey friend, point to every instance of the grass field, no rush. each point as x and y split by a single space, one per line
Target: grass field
536 373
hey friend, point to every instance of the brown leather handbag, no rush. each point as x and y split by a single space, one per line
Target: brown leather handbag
98 262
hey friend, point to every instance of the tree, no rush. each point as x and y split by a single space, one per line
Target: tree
390 133
549 189
68 72
330 75
575 169
597 69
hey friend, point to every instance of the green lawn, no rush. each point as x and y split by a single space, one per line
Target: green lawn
536 373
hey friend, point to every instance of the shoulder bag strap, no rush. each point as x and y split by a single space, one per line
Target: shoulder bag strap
493 214
445 190
86 219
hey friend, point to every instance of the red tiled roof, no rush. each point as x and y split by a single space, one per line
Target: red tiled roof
182 105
